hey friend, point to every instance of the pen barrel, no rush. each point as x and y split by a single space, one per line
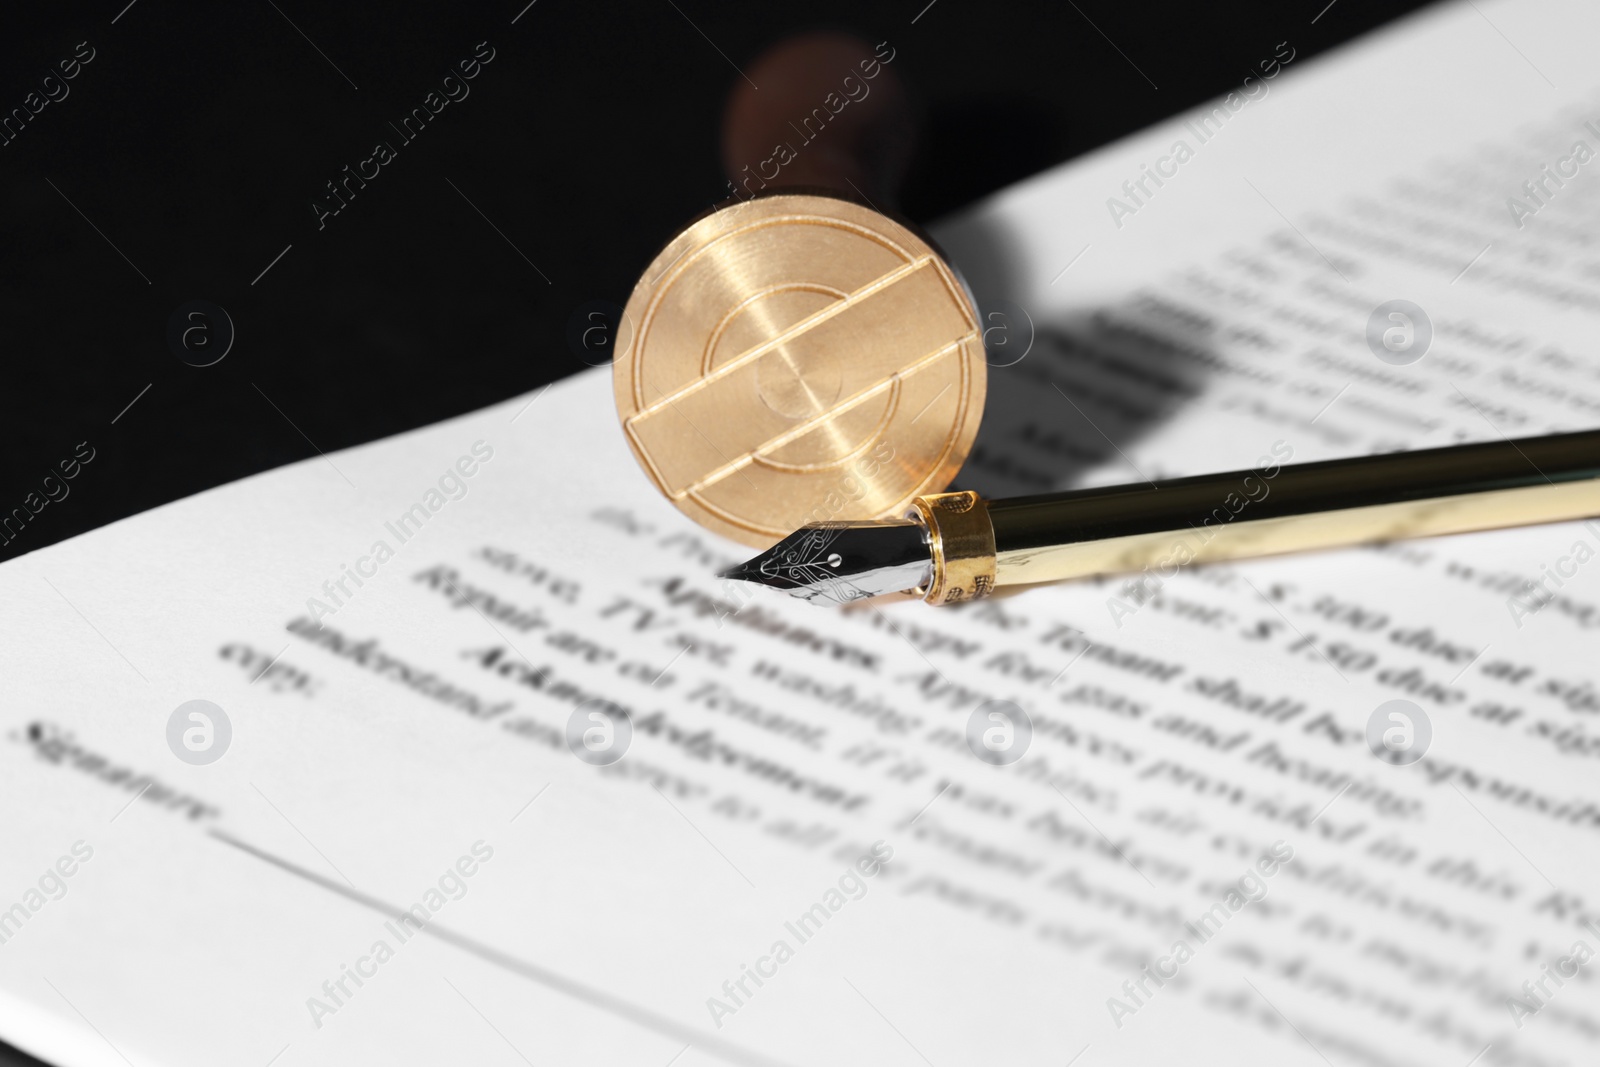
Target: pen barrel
1275 508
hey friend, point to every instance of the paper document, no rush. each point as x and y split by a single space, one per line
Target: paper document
314 767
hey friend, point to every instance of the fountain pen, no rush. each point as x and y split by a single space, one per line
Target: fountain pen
955 547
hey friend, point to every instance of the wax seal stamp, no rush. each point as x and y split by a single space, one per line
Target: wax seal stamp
782 347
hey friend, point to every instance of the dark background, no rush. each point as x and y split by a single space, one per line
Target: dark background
199 135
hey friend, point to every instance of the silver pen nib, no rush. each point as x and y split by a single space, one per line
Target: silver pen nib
843 561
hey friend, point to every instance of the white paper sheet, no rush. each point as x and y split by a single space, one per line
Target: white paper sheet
410 752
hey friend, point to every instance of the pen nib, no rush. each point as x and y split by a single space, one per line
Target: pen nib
841 562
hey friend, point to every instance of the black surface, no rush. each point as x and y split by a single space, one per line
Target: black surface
199 135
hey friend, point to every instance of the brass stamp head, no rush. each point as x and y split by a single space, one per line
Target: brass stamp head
799 358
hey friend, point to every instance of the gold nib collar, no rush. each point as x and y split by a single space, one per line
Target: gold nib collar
962 541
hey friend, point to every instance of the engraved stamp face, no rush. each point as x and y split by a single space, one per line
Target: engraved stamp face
776 343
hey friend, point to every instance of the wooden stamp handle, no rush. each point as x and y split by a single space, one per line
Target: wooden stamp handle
823 111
